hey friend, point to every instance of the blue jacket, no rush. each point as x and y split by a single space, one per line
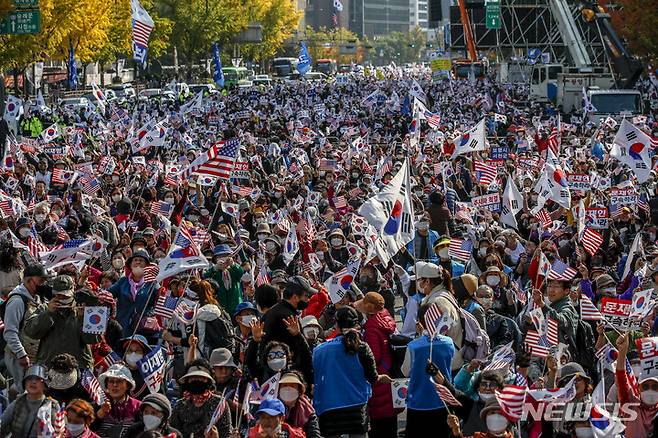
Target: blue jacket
431 238
340 381
421 394
128 310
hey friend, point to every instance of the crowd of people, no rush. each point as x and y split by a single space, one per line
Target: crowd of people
328 260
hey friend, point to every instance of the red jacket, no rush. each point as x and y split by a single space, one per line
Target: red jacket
378 329
317 303
292 432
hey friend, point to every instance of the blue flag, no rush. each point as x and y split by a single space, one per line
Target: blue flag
73 70
218 74
304 61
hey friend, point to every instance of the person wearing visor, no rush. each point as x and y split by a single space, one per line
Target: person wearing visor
441 248
227 274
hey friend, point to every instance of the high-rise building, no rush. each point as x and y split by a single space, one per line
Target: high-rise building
419 14
320 13
373 18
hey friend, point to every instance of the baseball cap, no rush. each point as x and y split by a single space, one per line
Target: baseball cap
63 285
36 270
297 282
272 407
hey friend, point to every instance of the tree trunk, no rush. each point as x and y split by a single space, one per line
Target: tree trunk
101 66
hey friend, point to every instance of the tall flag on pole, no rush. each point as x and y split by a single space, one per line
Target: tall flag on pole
304 64
218 74
73 70
142 27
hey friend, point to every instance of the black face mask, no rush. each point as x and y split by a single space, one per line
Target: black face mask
302 305
196 387
44 291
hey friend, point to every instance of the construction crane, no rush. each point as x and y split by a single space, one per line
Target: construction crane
627 68
463 68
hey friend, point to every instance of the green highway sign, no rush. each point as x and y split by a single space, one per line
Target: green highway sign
21 22
492 14
26 3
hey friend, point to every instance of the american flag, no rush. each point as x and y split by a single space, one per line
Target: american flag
544 218
592 241
242 190
7 207
34 245
446 396
2 325
222 163
309 228
161 207
151 272
199 236
434 120
141 33
62 234
520 293
588 311
460 249
539 345
93 388
61 176
432 317
262 277
340 202
554 141
642 205
90 186
520 380
484 173
502 358
328 165
511 399
561 271
171 179
110 359
165 305
59 424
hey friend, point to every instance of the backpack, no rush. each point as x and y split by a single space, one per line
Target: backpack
475 340
3 306
218 334
583 347
398 345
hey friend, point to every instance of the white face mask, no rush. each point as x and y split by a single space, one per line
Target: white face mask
423 226
486 303
444 253
288 394
311 332
116 198
138 271
246 320
151 422
496 423
482 251
649 397
75 429
336 241
493 280
39 218
584 432
484 397
320 255
118 263
276 364
24 232
170 201
262 236
133 358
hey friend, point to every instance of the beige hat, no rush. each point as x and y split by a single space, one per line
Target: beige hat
426 270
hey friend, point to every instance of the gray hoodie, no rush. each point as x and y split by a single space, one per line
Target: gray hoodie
15 313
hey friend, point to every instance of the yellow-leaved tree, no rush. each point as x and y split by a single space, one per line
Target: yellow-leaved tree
279 19
197 24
